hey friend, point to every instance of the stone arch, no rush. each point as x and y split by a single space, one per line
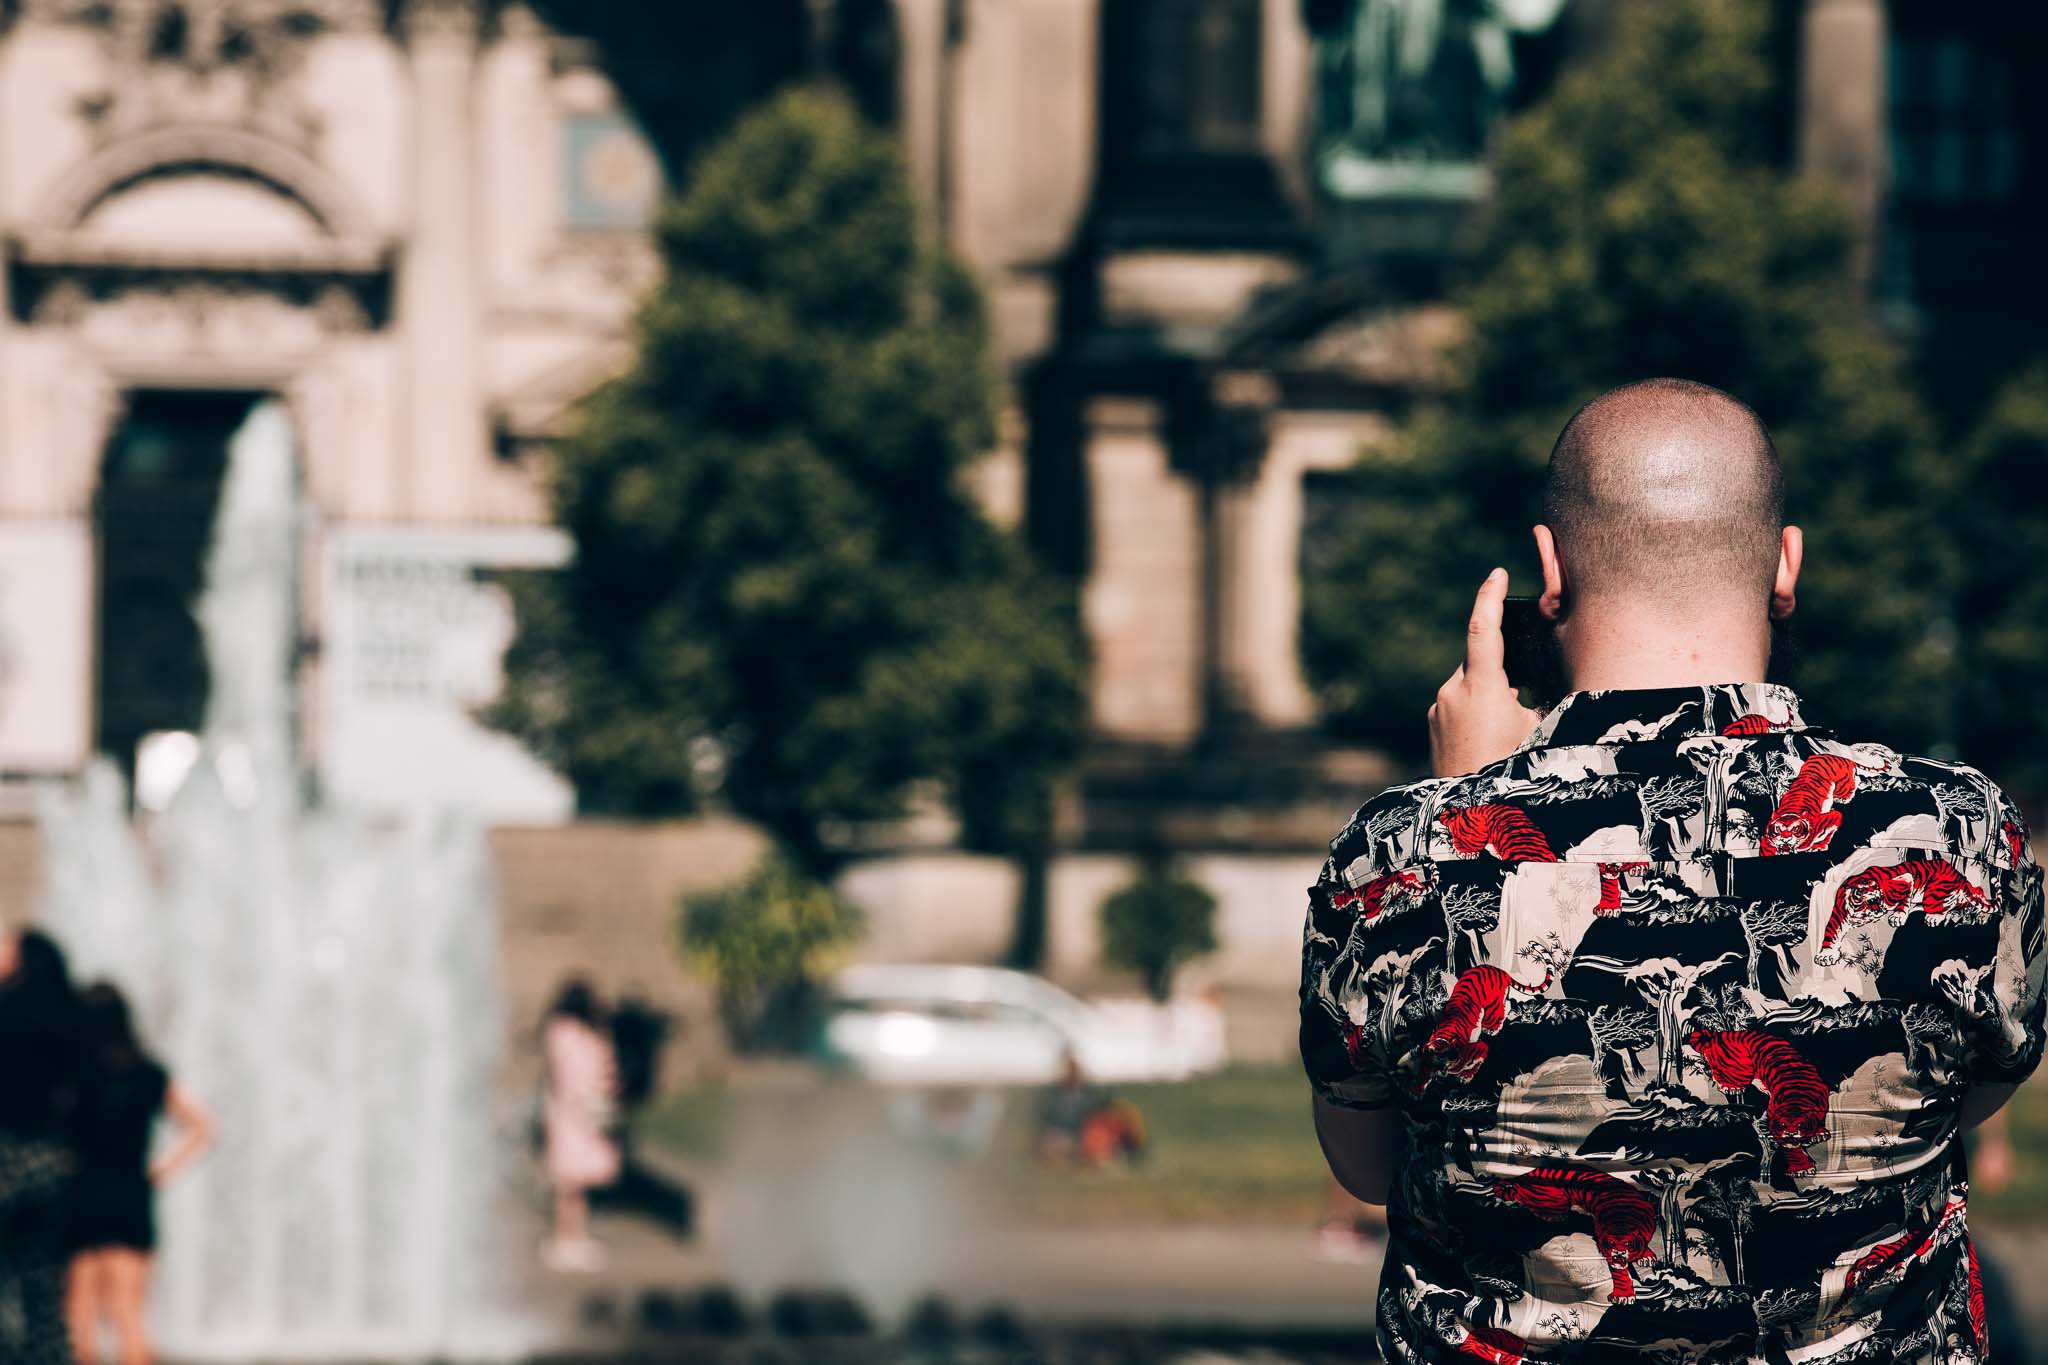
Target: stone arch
204 147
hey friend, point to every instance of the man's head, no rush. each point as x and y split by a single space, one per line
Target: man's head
1667 494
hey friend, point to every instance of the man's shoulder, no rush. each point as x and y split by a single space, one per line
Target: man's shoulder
1387 829
1888 768
1943 771
1392 829
1955 783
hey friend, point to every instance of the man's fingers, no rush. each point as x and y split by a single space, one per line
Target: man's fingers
1485 655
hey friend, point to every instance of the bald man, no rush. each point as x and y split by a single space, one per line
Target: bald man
1655 1020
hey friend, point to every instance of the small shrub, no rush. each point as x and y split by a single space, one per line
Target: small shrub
764 940
1156 923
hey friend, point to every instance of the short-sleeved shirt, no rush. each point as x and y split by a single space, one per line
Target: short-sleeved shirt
1676 1005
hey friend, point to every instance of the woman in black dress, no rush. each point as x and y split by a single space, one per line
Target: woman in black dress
121 1090
36 1050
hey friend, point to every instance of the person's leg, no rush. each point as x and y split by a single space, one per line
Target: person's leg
40 1254
572 1214
83 1300
128 1276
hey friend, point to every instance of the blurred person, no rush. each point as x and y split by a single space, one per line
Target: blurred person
639 1032
1081 1124
37 1050
1350 1228
1656 1019
1991 1155
578 1108
121 1091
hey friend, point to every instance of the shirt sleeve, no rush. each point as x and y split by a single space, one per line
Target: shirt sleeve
1345 1060
2005 1016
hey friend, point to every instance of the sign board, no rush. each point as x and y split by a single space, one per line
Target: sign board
413 640
46 645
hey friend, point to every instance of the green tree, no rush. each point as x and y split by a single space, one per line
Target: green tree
763 941
688 68
782 589
1642 224
2002 602
1157 923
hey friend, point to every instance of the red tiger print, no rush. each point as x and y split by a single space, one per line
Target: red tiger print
1495 1345
1624 1219
1979 1323
1806 819
1795 1095
1930 885
1505 832
1752 724
1912 1244
2013 843
1610 885
1394 889
1354 1042
1478 1007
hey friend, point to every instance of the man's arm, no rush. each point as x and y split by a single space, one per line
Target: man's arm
1980 1102
1477 717
1363 1147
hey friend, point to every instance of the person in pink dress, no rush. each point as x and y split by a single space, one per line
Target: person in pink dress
576 1112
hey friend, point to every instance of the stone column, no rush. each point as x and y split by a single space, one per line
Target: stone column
922 24
438 273
1142 604
1262 595
1842 109
1287 87
519 162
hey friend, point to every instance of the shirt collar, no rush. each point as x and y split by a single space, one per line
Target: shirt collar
1621 715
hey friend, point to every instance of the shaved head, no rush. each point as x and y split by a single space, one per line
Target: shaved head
1669 492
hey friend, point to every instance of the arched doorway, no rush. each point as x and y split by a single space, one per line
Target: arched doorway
153 520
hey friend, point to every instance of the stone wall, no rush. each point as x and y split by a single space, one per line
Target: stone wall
600 897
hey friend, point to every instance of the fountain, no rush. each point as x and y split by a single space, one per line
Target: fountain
325 979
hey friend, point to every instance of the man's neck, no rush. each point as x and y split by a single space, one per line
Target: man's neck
1608 648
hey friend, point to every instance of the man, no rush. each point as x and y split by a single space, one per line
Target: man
1656 1020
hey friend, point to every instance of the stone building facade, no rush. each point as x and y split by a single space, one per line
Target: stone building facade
421 228
1214 235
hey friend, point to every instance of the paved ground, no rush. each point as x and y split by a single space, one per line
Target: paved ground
814 1197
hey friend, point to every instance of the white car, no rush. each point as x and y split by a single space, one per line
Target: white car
963 1025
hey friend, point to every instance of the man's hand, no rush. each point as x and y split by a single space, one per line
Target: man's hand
1477 717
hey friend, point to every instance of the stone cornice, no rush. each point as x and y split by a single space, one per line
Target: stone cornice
440 19
339 275
331 257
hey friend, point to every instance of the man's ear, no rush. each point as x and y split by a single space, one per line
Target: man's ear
1551 601
1791 550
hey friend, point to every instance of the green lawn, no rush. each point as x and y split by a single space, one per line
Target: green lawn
1237 1148
2026 1198
1230 1148
690 1121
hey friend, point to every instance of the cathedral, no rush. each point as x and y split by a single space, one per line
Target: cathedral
1216 238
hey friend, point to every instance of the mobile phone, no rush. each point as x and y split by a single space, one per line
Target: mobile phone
1533 661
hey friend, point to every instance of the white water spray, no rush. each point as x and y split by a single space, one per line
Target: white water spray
325 980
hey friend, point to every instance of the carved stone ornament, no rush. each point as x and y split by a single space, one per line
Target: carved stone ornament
453 18
262 38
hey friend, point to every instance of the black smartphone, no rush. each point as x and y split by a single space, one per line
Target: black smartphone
1534 663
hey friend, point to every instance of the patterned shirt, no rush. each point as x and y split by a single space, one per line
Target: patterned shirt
1675 1006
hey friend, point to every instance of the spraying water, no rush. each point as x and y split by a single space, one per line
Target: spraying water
325 980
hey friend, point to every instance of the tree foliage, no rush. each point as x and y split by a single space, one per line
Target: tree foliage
2002 599
1157 923
687 68
1641 225
763 941
782 588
